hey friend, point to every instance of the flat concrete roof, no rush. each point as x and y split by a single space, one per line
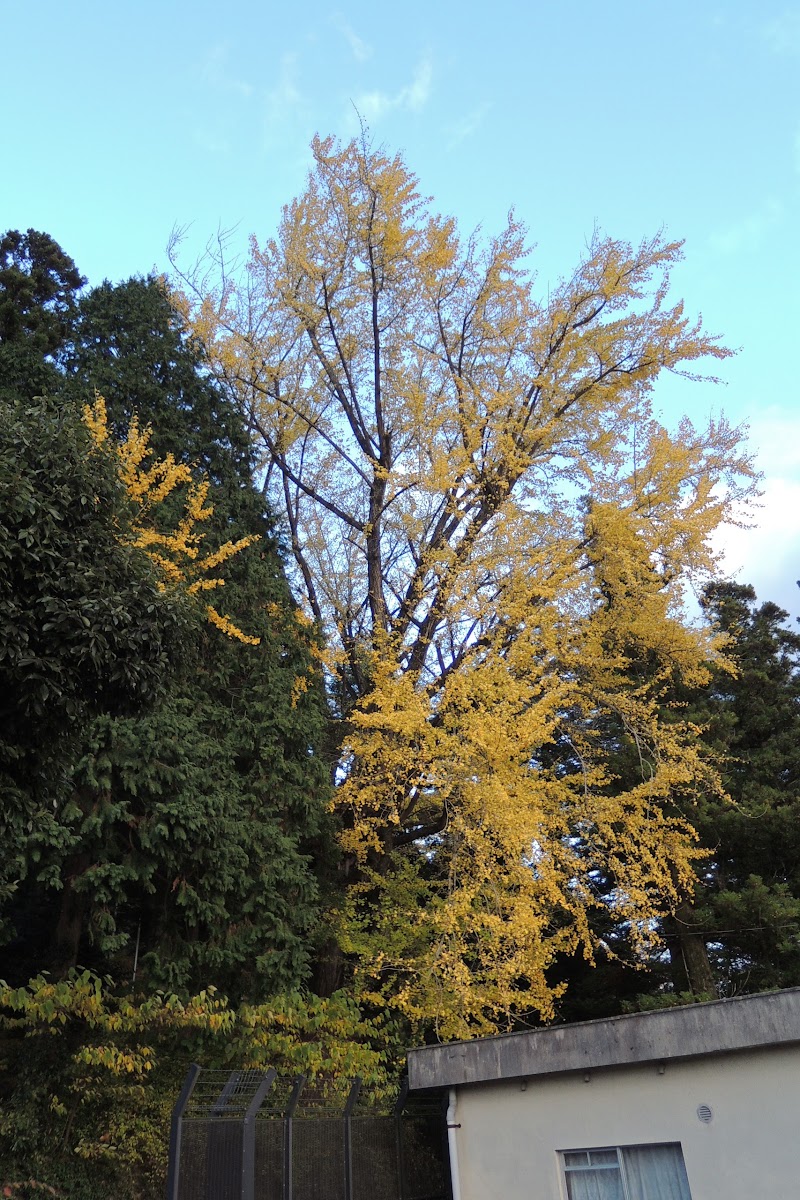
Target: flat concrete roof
718 1027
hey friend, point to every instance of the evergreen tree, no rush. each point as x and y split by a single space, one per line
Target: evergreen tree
214 798
84 628
183 834
748 899
129 344
39 285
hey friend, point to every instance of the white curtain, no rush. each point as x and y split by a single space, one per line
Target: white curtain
594 1185
655 1173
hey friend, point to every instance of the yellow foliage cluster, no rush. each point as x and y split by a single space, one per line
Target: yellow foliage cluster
178 551
497 535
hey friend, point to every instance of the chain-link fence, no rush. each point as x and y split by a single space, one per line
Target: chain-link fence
247 1135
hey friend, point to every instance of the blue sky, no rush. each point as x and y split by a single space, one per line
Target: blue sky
124 120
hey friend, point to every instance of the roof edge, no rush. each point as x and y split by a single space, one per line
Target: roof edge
716 1027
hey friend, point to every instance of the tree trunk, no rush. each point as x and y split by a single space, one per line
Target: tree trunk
328 970
690 967
69 926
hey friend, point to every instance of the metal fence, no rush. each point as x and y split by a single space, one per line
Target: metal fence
247 1135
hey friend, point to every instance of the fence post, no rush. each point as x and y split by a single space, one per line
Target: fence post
398 1129
173 1172
294 1099
249 1136
352 1100
448 1172
228 1088
221 1140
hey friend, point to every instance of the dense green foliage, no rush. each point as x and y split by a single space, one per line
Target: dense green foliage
183 830
747 903
39 284
128 343
217 782
163 803
83 627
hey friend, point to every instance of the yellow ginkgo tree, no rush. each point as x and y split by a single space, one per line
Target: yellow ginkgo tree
496 534
175 547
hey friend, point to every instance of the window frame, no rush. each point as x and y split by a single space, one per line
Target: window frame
619 1165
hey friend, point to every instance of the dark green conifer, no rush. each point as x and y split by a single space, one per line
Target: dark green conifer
181 836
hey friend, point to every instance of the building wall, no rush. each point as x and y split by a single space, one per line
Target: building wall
511 1132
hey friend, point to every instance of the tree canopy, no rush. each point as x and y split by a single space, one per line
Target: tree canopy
181 808
39 287
746 910
128 343
490 523
84 627
221 781
163 801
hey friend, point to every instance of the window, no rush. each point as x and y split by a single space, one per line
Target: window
626 1173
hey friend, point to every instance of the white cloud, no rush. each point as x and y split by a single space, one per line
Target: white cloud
775 438
467 126
411 98
416 96
212 136
360 49
285 103
768 555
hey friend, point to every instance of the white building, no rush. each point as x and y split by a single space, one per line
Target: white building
695 1103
